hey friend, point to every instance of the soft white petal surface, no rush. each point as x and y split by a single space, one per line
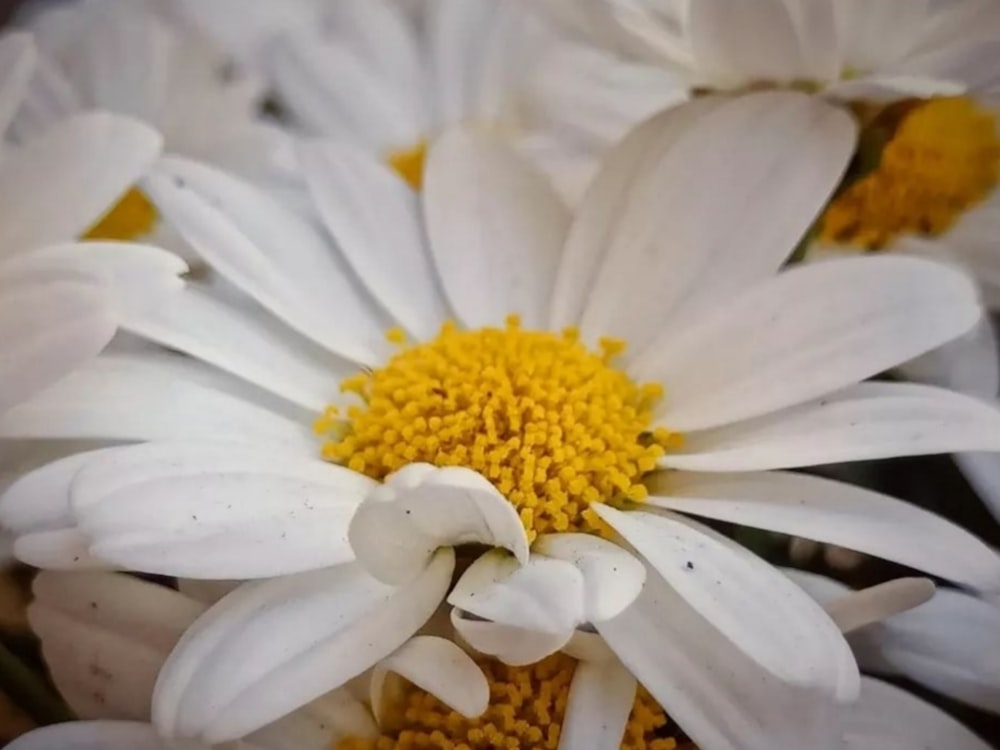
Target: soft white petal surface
969 364
18 58
511 645
597 709
877 603
94 735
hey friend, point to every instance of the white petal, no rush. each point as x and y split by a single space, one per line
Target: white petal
511 645
982 471
458 32
397 529
763 613
968 364
877 603
612 577
439 667
93 735
50 323
141 397
18 58
668 249
543 595
375 219
805 333
328 719
54 188
836 513
272 646
269 252
496 229
867 421
105 636
215 510
588 646
597 709
715 693
736 44
887 717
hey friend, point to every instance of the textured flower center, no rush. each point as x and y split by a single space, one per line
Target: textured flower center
551 424
129 219
526 711
923 164
409 163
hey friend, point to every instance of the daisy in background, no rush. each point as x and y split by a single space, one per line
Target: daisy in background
105 636
377 75
128 58
556 388
950 644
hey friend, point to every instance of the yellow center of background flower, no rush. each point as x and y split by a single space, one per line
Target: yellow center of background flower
409 164
526 710
134 216
935 160
551 424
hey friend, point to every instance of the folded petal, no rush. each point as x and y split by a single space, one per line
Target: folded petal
835 513
274 645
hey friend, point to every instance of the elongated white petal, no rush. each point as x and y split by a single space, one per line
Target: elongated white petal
600 701
612 577
140 397
215 510
421 508
105 636
877 603
272 646
807 332
969 364
715 693
439 667
866 421
835 513
55 187
269 252
93 735
763 613
375 219
50 323
338 714
888 717
496 229
544 594
982 471
663 262
511 645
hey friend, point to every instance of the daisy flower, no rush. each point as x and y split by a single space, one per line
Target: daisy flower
370 74
125 57
950 644
52 188
506 411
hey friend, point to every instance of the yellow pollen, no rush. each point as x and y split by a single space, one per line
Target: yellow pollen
526 710
935 160
551 424
409 164
129 219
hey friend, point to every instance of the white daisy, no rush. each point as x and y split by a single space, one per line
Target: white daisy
52 188
508 433
951 644
369 73
124 57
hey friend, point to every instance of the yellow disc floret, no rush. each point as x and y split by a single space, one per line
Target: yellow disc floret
526 710
131 218
553 425
940 158
409 164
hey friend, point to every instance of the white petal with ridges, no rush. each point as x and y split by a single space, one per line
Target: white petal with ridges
496 229
598 707
421 508
216 511
439 667
809 331
867 421
612 577
763 613
272 646
835 513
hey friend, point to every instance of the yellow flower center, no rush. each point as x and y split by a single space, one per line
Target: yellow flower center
134 216
551 424
409 163
526 710
929 161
